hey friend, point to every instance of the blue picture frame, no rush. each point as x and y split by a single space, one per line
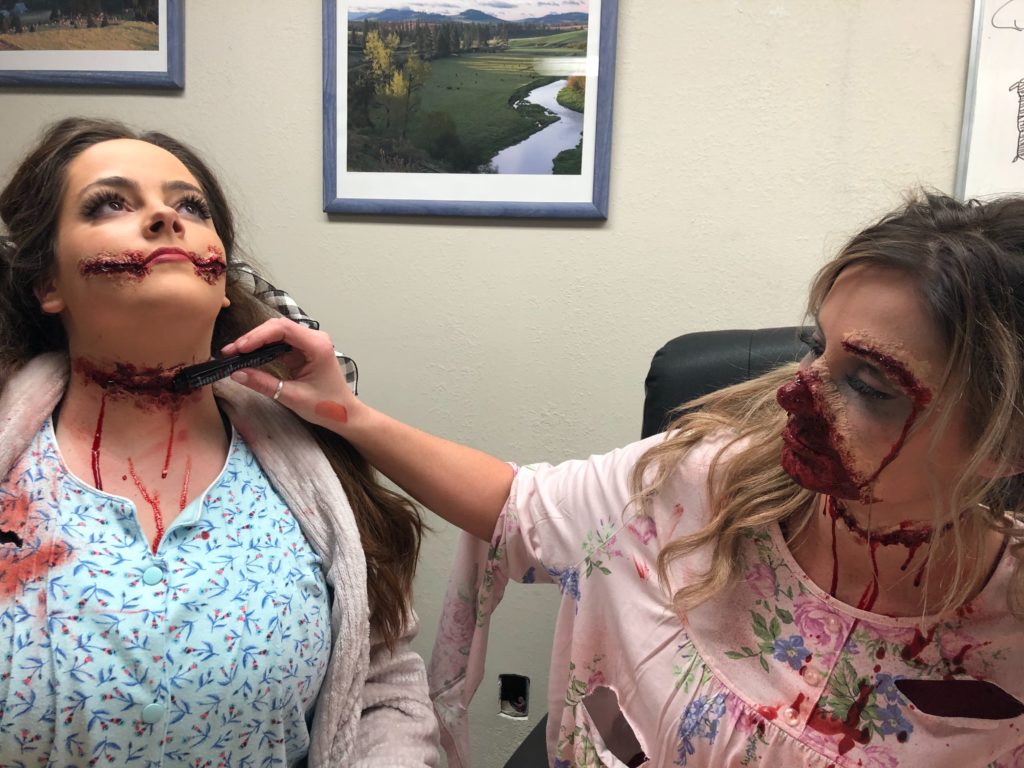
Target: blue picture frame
163 68
537 196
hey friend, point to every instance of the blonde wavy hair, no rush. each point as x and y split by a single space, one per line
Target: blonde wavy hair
967 260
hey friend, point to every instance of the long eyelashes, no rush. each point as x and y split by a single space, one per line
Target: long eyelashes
198 205
191 204
862 388
816 348
92 204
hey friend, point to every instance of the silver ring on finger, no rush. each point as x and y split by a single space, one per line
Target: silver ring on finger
277 392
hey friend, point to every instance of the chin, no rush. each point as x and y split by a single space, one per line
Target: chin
819 474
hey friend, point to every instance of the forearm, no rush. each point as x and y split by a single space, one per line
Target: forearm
466 487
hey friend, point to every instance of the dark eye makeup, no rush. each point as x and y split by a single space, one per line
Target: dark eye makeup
816 347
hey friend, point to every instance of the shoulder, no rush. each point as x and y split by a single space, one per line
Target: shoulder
678 476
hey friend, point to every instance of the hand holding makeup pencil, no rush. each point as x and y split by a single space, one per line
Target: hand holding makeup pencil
465 486
315 388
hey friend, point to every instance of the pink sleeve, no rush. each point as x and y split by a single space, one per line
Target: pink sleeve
540 536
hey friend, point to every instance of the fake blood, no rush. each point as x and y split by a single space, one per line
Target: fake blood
170 445
154 503
919 394
20 564
135 265
908 535
913 649
814 451
96 440
847 728
183 499
809 453
331 410
150 389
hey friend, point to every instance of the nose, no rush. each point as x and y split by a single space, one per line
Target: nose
165 219
795 396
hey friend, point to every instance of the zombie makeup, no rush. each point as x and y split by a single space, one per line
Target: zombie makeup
908 534
814 451
898 372
150 389
135 265
816 441
21 521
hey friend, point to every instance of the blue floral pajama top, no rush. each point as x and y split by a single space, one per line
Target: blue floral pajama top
771 672
209 652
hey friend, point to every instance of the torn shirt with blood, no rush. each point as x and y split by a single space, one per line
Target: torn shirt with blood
771 671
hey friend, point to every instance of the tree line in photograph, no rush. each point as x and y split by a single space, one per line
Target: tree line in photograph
446 97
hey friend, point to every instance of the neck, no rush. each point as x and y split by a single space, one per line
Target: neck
869 557
127 415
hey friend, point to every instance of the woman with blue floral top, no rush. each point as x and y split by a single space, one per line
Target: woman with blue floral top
187 578
819 567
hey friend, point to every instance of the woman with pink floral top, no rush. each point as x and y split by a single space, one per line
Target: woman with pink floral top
819 567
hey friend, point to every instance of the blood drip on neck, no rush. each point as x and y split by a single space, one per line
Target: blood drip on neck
906 535
96 440
153 500
150 390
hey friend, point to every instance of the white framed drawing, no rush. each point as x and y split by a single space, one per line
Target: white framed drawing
991 160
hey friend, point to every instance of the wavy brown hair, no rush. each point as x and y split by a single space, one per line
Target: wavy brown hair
390 525
967 262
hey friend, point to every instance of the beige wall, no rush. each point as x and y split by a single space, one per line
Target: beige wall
750 137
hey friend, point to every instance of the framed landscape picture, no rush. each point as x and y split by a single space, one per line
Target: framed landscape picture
468 107
129 43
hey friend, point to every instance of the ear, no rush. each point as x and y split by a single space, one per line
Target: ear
50 300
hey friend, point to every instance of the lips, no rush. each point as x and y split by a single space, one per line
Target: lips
797 437
169 254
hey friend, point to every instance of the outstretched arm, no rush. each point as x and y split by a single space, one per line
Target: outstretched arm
465 486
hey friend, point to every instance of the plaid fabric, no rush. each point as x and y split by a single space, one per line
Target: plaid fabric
285 304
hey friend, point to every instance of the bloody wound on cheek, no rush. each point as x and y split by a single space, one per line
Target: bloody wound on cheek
212 267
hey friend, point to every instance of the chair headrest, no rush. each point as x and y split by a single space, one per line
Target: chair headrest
696 364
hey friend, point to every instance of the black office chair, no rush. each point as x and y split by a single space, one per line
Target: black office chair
686 367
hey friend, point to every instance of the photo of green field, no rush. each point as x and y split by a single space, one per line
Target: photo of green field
79 25
471 93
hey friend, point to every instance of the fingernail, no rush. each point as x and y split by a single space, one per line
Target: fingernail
240 376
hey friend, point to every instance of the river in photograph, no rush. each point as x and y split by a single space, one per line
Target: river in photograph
534 154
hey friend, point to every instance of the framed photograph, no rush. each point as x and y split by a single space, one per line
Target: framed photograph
468 107
127 43
991 158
